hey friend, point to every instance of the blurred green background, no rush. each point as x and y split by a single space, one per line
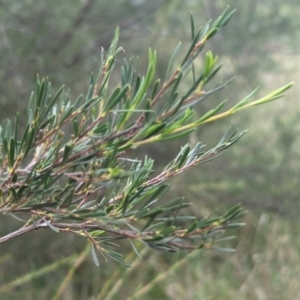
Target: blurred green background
260 46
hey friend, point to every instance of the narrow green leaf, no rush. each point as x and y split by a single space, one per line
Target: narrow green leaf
11 153
51 121
148 223
116 256
89 104
175 136
272 96
24 137
212 74
67 113
235 225
75 127
78 102
227 18
219 20
92 79
175 207
29 141
193 87
233 209
134 249
153 130
16 127
124 204
225 137
13 193
211 113
154 238
193 154
214 234
211 33
17 218
30 107
115 98
168 231
39 95
245 100
185 63
51 226
170 65
91 88
192 26
67 152
147 213
192 227
225 250
49 105
41 205
182 156
94 256
155 192
225 239
68 200
155 88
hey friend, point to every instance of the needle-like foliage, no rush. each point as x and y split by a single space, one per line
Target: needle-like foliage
71 168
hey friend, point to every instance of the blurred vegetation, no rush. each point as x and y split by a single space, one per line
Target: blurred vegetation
260 47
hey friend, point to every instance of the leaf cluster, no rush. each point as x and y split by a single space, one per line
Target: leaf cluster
70 170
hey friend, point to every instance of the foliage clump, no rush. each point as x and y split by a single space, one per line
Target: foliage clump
70 170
